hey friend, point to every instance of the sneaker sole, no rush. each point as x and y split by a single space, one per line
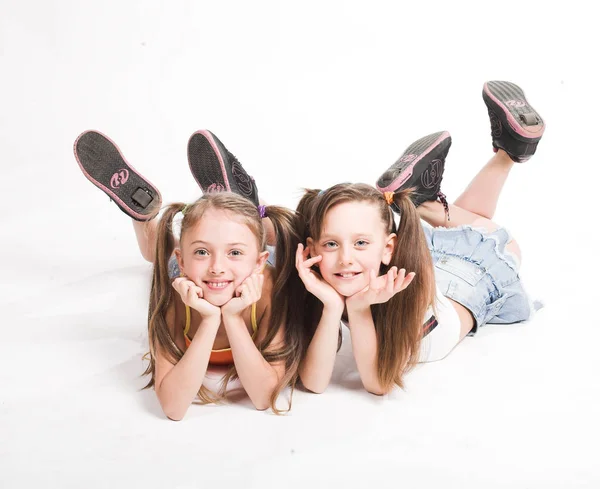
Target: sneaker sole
206 163
103 164
205 158
407 163
508 102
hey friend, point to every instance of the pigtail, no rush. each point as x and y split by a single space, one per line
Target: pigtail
304 210
312 307
161 291
286 304
399 322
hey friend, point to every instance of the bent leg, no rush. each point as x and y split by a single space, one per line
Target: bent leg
145 232
434 214
481 195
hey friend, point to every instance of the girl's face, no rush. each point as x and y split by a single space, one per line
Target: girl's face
218 254
353 242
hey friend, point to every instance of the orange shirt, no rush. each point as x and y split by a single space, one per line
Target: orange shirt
218 357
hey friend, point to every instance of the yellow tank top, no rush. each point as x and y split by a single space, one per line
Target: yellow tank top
218 357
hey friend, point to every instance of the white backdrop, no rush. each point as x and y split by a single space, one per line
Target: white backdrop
306 95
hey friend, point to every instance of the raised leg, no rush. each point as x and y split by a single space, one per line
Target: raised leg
145 232
435 214
482 194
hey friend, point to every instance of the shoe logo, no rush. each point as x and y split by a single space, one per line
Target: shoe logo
516 103
496 124
242 179
215 187
433 174
407 158
119 178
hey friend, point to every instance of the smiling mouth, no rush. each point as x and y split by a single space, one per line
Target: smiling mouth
217 285
347 275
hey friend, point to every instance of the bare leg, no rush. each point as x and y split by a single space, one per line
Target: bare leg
481 196
435 214
145 232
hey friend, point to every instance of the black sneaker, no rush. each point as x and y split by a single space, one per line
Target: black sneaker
103 164
420 167
216 169
516 126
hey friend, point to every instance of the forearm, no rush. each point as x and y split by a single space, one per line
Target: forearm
365 349
181 384
258 377
316 368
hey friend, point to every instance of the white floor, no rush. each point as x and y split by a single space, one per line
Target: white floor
306 96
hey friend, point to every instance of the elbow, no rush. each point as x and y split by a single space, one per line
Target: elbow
263 405
173 410
312 385
172 417
174 414
262 401
315 389
376 390
148 256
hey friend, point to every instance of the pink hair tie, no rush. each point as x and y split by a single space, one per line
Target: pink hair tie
262 211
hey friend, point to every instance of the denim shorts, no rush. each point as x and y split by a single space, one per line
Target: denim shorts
473 268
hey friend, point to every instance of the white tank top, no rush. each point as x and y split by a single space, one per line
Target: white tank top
443 330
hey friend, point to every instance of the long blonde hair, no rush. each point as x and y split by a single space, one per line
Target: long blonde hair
286 284
398 322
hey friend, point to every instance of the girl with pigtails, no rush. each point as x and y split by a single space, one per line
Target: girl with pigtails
411 291
215 299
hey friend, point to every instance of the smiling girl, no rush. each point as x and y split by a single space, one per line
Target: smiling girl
214 298
410 292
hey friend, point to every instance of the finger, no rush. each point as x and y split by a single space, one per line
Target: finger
186 294
183 283
245 293
254 285
177 283
401 275
192 290
261 282
306 252
299 253
402 282
389 284
177 286
380 281
372 280
310 262
399 281
239 289
256 289
409 279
